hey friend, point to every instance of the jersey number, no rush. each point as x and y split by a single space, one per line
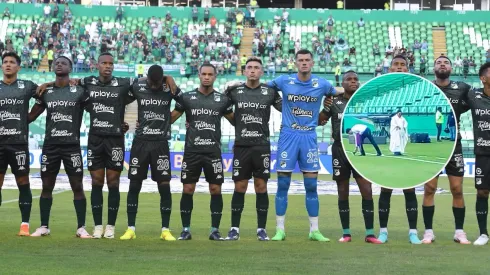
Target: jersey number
77 161
21 159
218 168
163 164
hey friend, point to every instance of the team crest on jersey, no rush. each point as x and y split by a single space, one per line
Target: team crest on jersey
217 98
21 84
454 85
314 83
114 82
264 90
73 89
94 81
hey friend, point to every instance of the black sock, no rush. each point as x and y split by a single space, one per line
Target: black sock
45 207
262 206
237 204
186 206
165 204
428 213
132 204
25 202
81 210
368 213
97 201
459 214
344 213
113 201
0 197
384 208
216 207
412 209
481 214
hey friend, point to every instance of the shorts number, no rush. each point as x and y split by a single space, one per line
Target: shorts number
217 167
163 164
21 159
77 161
117 155
312 157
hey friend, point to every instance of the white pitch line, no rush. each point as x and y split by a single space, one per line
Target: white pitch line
401 157
35 197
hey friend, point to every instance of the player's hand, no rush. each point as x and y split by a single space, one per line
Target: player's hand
323 122
41 89
125 127
74 81
230 85
170 82
328 101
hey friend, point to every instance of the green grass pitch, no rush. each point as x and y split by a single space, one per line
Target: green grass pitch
420 163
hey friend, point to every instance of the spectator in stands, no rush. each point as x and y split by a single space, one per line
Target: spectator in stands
423 64
376 50
35 57
439 121
243 61
320 25
47 10
206 15
387 5
352 51
50 54
337 71
175 29
386 64
451 125
230 16
119 13
253 3
389 50
2 47
297 46
195 13
458 65
330 24
424 46
290 65
67 14
416 45
340 5
252 17
360 23
239 18
378 70
247 16
56 10
466 67
6 13
285 15
271 68
411 62
472 64
487 56
346 64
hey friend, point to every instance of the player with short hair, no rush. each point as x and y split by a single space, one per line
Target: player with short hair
108 96
150 147
252 102
479 102
204 107
14 149
398 64
455 168
342 167
302 95
64 105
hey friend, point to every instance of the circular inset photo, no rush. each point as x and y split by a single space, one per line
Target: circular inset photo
398 129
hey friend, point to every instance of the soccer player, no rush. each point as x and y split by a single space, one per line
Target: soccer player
252 102
64 105
479 102
14 150
398 64
108 96
302 99
150 148
204 107
455 168
342 167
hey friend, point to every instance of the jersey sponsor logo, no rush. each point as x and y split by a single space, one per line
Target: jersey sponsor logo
253 105
203 141
150 115
58 117
302 98
454 100
202 111
301 113
99 93
482 142
11 101
247 133
4 115
60 103
60 133
101 123
484 125
149 131
156 102
248 119
482 112
203 125
284 154
478 171
8 132
101 108
295 126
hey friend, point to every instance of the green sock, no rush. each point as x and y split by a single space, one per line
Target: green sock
369 232
346 231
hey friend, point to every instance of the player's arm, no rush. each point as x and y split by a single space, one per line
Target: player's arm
277 101
275 84
324 116
73 82
175 114
231 118
179 108
228 112
36 111
464 102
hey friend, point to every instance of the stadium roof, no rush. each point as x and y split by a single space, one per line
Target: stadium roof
383 84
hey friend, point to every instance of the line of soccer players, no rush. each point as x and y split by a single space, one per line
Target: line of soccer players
105 97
